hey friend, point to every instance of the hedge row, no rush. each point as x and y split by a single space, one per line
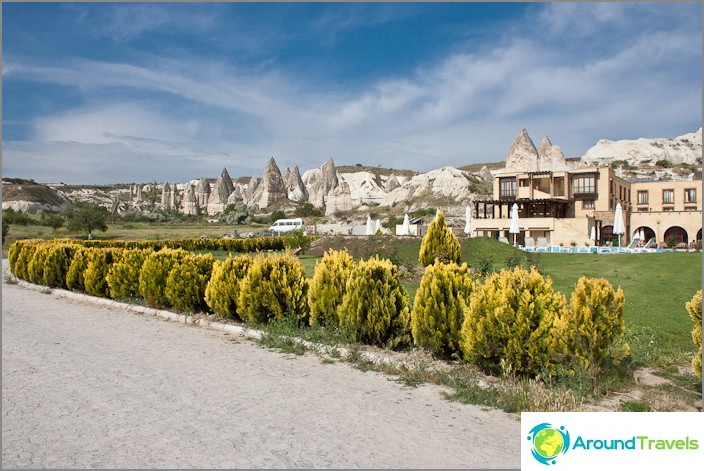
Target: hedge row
259 244
512 322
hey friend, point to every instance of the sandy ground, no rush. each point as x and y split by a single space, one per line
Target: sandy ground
90 387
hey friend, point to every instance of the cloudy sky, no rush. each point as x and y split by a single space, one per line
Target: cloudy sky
110 92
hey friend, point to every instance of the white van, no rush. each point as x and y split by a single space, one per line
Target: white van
287 225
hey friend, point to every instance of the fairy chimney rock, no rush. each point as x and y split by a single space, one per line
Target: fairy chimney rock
550 157
223 189
391 183
295 189
271 188
189 205
522 156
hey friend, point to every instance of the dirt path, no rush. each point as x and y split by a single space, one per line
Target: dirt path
89 387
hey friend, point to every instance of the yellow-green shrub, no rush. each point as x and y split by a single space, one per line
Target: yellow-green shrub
155 271
23 258
224 286
327 287
13 255
438 308
75 276
439 242
35 267
274 287
509 323
97 270
590 333
375 308
57 262
694 308
123 276
185 285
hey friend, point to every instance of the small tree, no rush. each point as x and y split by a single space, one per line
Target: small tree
88 218
296 240
223 289
274 288
509 324
375 307
327 288
438 309
439 242
591 331
5 229
694 308
185 285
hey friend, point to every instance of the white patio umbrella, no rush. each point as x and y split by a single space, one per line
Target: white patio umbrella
377 226
370 227
642 235
406 227
468 223
513 229
619 226
592 234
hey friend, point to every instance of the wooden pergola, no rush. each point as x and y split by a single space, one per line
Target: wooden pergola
527 208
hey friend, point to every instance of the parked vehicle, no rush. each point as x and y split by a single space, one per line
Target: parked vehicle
287 225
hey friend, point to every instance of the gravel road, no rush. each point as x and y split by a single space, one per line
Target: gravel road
85 386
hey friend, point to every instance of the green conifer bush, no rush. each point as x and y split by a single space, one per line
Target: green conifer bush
153 275
96 272
509 324
75 276
438 308
694 308
275 287
123 276
439 242
590 333
327 287
223 289
57 263
35 267
185 285
23 258
375 306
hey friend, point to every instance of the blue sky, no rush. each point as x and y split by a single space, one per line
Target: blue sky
117 92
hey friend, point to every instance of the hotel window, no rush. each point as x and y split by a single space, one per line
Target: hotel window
690 195
668 209
668 196
588 204
643 197
584 185
507 188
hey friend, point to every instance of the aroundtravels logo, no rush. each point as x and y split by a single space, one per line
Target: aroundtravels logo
548 442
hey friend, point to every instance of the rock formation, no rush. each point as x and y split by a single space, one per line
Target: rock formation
295 189
271 188
202 192
522 156
550 157
320 182
485 174
221 192
338 200
685 149
190 202
237 195
251 188
391 183
166 196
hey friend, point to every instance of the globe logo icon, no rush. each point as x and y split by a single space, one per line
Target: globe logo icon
548 442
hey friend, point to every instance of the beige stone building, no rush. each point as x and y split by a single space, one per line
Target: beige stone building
562 207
